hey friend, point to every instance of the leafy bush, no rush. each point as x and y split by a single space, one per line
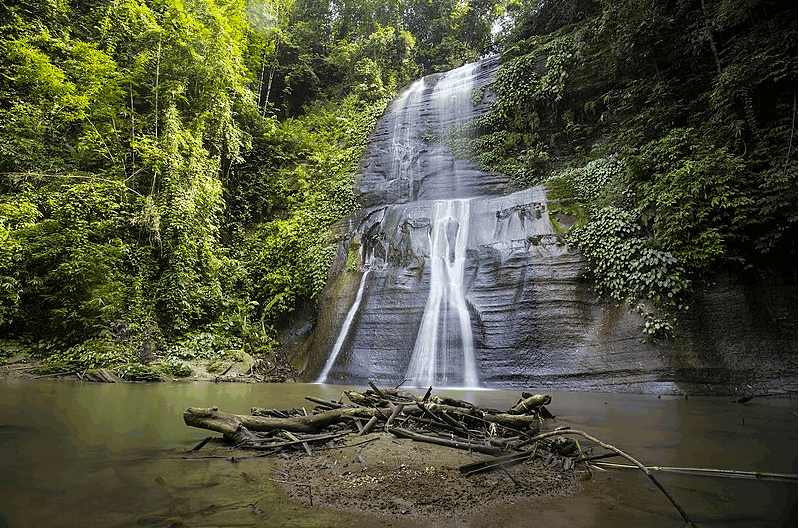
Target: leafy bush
600 182
64 256
174 367
627 267
693 196
16 215
139 372
96 353
203 345
288 258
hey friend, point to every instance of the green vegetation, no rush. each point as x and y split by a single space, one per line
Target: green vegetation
169 168
667 129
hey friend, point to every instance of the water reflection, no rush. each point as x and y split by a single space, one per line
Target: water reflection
75 454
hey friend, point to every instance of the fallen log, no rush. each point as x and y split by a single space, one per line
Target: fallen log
369 425
530 404
475 415
228 424
378 391
397 410
325 403
454 423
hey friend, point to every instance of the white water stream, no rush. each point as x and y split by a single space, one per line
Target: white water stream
443 354
345 330
404 155
432 360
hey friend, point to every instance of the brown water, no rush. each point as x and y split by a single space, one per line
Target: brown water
82 454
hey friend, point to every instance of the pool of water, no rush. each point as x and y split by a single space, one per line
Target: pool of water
86 454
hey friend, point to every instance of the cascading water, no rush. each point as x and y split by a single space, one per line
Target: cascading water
444 349
431 238
464 282
421 167
439 347
345 330
450 104
402 147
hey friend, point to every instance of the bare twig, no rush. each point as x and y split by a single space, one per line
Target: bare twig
728 473
303 442
202 443
344 446
403 381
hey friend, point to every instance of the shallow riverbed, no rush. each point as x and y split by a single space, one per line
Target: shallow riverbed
85 454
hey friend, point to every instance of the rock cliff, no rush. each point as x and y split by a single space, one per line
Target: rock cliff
442 254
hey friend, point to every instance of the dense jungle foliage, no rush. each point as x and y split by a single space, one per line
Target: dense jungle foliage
169 168
668 128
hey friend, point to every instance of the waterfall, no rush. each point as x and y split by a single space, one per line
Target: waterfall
444 350
433 360
403 151
345 330
466 282
415 230
452 96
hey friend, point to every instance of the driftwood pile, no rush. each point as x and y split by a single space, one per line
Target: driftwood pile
509 437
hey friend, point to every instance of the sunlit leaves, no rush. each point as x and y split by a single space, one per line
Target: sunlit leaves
65 251
288 258
688 99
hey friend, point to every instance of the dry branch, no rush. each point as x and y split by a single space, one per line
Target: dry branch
492 463
466 446
625 455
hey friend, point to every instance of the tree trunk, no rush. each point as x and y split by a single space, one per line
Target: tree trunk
229 424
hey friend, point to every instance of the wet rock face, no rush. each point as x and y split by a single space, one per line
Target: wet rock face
464 283
406 159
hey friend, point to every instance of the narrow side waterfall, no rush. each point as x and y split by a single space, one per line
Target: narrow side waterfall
444 350
345 330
